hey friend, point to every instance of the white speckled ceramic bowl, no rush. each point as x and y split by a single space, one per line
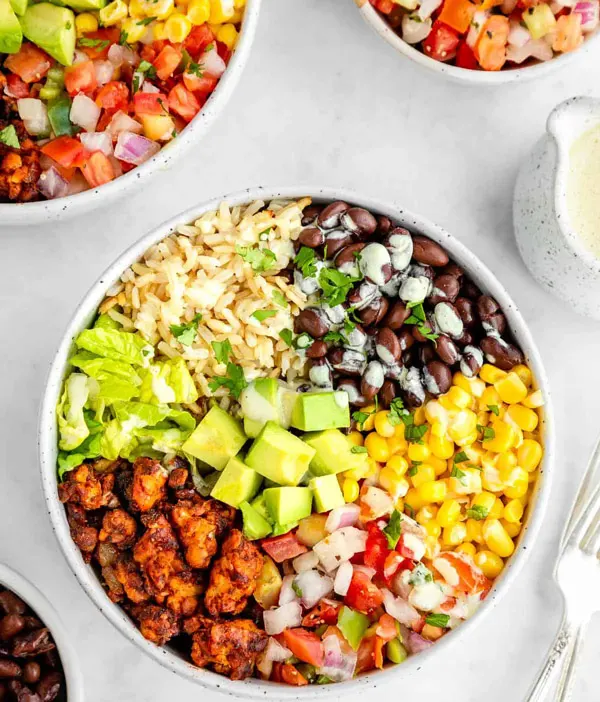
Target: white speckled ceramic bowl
66 207
465 75
172 660
11 580
549 246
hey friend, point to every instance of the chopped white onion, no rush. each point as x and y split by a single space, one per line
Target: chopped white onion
342 517
147 87
337 665
343 577
536 48
84 112
426 597
273 653
80 57
97 141
340 546
306 561
34 114
398 608
479 19
104 71
378 501
51 184
518 35
401 585
122 122
369 572
135 148
427 8
414 30
313 587
212 64
118 55
282 618
287 593
589 12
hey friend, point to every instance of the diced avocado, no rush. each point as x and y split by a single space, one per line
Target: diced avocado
252 427
315 411
216 439
332 452
11 34
255 526
51 28
237 483
83 5
288 504
18 6
278 455
258 503
327 492
259 403
268 584
279 529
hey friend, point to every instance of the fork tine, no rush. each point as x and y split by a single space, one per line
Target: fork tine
588 514
592 543
584 486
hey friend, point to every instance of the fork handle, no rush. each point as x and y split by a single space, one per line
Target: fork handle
567 675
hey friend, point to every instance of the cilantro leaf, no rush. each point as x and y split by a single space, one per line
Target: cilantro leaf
412 471
279 299
306 261
494 409
488 432
9 137
358 449
234 381
296 588
456 472
186 333
440 620
335 285
361 417
419 319
287 336
413 433
264 235
420 575
396 412
146 21
393 529
261 315
123 38
195 69
260 260
93 43
477 512
222 350
461 457
335 337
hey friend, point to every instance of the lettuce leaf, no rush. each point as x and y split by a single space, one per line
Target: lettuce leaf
106 322
99 367
116 345
166 440
169 381
72 426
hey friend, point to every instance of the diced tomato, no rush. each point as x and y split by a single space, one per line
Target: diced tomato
65 150
457 14
98 170
465 58
224 51
470 578
102 40
198 39
418 625
81 78
386 628
384 6
183 102
377 548
362 594
448 604
490 49
167 61
326 612
393 563
305 645
441 42
289 674
283 547
203 85
29 63
148 53
150 104
366 654
378 652
113 96
16 86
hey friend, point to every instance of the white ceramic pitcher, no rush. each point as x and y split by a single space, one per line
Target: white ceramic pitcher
550 248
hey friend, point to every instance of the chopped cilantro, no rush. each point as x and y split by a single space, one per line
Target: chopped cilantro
306 261
393 529
93 43
334 337
461 457
147 69
296 588
9 137
412 471
323 680
287 336
440 620
146 21
361 417
195 69
68 25
335 285
260 260
477 512
279 299
420 575
409 510
413 433
456 472
396 412
222 350
235 380
358 449
264 235
186 333
261 315
488 432
494 409
419 319
123 38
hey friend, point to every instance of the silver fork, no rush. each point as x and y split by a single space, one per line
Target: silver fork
577 573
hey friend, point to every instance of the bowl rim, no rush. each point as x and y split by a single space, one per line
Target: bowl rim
465 75
87 200
86 310
16 582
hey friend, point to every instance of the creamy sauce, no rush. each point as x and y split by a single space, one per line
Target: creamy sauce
583 189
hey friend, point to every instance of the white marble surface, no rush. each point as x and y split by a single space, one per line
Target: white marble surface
322 101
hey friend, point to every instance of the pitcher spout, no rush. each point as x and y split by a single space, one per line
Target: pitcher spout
571 118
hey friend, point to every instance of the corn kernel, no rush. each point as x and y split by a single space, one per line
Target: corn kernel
468 483
464 424
398 465
489 563
511 389
432 547
433 529
413 500
220 11
504 438
517 490
438 428
506 461
137 9
426 514
85 22
133 29
466 548
474 454
158 31
454 534
361 470
497 510
113 13
397 444
350 490
419 415
369 423
474 386
439 465
474 532
440 447
524 373
160 9
239 4
446 403
489 398
434 491
513 511
377 447
529 454
424 474
484 502
513 475
534 400
228 34
432 633
373 468
513 529
497 539
394 484
483 418
198 11
436 412
459 397
158 127
177 28
525 418
448 513
467 440
418 452
382 424
399 505
490 475
490 374
355 438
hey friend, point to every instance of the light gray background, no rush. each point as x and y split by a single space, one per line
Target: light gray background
323 101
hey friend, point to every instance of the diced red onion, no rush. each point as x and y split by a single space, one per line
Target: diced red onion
400 609
104 72
343 577
273 653
479 19
414 31
116 164
417 643
51 184
427 8
313 586
122 122
77 184
97 141
287 593
337 665
536 48
400 584
84 112
281 618
306 561
118 55
342 517
340 546
148 36
508 6
135 148
212 64
518 35
410 526
589 15
34 114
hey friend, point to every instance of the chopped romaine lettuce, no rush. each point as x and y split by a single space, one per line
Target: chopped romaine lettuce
169 381
106 322
98 367
71 420
117 345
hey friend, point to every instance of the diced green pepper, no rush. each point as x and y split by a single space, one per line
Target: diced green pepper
395 651
58 114
55 83
353 625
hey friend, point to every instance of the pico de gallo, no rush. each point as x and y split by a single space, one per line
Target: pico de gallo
87 96
491 35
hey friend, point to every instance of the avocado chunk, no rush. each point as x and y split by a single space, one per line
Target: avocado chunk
279 456
255 526
237 483
315 411
333 452
279 529
18 6
288 504
51 28
327 492
252 427
83 5
11 34
266 400
216 439
258 503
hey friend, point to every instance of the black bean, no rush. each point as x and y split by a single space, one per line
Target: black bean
311 322
317 349
49 687
467 311
396 316
312 237
12 604
375 312
310 214
500 353
31 672
9 669
387 393
429 252
438 377
447 350
445 289
329 217
359 221
10 626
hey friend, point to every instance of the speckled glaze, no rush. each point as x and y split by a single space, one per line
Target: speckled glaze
16 214
255 689
46 612
550 248
465 75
